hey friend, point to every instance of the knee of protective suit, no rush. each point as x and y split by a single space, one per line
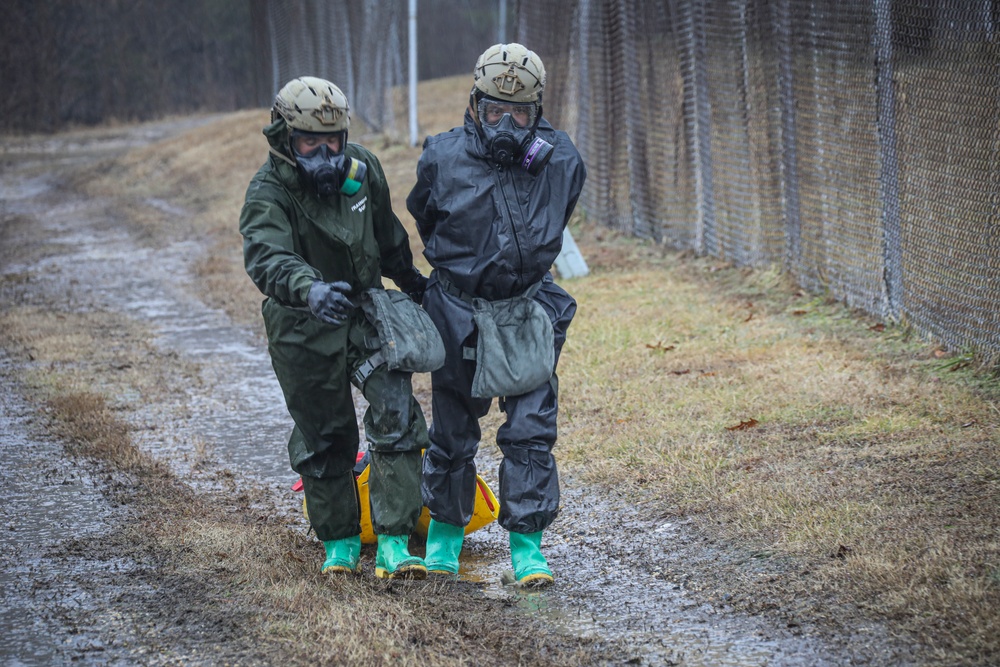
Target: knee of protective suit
394 421
396 431
333 505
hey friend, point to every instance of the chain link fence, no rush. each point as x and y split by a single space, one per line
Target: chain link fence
363 47
854 143
360 45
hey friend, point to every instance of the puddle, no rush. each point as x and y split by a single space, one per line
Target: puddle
612 596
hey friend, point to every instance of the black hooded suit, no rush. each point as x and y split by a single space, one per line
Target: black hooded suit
492 232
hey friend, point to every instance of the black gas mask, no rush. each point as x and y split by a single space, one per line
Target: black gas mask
330 172
509 132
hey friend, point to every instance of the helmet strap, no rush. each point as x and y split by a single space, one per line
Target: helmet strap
474 96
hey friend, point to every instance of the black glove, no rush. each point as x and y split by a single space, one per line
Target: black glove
413 284
329 302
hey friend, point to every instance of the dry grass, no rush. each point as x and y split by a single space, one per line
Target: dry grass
227 563
797 429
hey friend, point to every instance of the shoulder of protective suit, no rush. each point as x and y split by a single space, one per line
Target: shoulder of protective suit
443 148
452 135
273 181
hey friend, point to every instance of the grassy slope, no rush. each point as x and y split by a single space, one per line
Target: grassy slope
851 460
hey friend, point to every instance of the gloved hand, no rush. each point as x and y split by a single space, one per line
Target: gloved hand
329 302
413 284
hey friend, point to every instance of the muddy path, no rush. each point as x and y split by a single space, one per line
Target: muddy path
623 575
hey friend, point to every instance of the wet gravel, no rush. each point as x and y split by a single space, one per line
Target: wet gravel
622 574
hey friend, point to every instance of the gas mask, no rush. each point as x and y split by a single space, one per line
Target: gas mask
330 172
509 131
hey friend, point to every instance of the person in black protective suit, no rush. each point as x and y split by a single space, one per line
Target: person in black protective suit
491 202
318 231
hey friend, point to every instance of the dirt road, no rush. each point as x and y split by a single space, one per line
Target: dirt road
73 592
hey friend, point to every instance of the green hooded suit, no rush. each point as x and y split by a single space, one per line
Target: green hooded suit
292 237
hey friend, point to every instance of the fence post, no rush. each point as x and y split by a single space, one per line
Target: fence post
412 33
700 114
889 161
789 137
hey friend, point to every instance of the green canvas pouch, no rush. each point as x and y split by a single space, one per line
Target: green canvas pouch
410 342
515 349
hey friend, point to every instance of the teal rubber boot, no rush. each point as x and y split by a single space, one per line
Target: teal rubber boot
531 570
444 543
394 561
342 556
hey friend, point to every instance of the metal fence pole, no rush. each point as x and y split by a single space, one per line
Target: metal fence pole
413 71
889 168
789 138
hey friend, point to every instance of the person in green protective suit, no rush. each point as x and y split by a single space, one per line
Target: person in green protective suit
318 230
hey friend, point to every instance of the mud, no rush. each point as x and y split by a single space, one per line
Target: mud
43 504
622 574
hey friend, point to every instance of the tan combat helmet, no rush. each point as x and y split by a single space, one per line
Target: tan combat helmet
510 72
311 104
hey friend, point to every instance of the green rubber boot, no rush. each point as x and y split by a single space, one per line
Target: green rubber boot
394 561
531 570
444 543
342 556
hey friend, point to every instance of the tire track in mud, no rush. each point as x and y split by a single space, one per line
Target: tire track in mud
612 564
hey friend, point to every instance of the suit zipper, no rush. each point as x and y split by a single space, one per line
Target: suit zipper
501 172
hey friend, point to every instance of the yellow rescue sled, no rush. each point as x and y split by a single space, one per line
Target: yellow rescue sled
484 512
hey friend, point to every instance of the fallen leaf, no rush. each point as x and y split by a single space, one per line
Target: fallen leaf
877 327
749 317
743 425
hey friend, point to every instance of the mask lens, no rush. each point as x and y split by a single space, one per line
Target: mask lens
308 144
491 112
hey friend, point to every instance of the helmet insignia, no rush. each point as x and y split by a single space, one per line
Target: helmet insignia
508 83
327 113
